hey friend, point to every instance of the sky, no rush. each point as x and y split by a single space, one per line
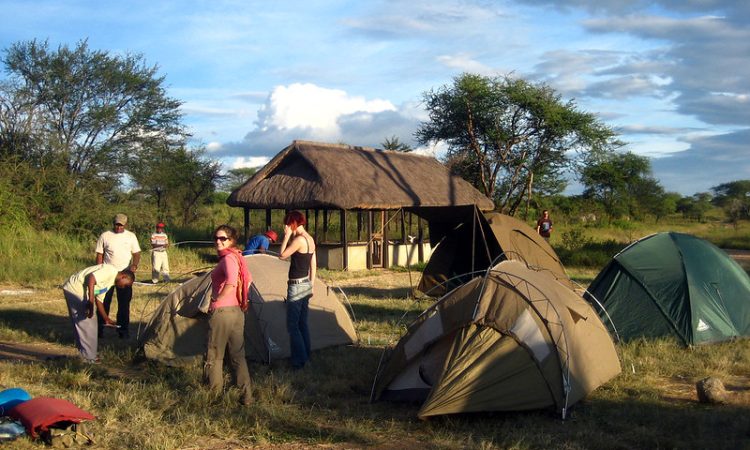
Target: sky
672 77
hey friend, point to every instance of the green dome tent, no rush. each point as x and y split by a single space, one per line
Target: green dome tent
673 284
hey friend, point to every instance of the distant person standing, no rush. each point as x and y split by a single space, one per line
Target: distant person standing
544 225
260 242
83 293
119 248
159 258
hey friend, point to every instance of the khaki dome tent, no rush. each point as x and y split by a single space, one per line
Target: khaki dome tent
495 237
515 339
177 331
674 284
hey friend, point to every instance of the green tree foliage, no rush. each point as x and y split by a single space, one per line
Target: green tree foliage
696 206
507 135
623 184
78 127
734 198
176 180
92 108
394 144
236 178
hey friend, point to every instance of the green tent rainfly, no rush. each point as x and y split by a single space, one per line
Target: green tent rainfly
673 284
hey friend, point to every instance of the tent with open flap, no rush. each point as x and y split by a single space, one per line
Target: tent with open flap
469 241
514 339
177 330
673 284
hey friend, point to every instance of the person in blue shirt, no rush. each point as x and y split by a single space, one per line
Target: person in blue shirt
260 242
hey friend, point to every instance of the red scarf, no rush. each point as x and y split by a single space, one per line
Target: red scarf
245 278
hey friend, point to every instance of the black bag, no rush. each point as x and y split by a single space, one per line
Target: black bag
66 435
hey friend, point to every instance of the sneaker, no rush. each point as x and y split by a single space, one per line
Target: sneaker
92 361
154 281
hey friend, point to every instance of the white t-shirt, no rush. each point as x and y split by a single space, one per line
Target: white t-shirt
104 274
118 248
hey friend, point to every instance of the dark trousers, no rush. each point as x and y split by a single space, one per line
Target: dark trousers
124 295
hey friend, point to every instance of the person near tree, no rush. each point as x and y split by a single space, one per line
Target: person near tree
159 257
544 225
120 248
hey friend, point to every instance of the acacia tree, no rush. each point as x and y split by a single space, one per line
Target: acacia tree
734 198
623 184
93 107
504 135
176 179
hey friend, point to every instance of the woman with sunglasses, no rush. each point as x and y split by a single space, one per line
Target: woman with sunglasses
230 280
299 247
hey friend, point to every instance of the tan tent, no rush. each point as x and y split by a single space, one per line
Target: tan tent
469 242
513 340
177 330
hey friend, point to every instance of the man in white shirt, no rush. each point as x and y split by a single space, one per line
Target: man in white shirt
119 248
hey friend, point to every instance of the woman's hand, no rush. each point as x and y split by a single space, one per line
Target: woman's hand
89 310
287 230
109 322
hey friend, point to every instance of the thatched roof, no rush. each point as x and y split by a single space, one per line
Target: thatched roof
310 175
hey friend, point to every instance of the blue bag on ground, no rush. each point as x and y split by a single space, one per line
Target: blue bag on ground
10 398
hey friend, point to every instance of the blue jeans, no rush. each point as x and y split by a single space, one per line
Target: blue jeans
297 308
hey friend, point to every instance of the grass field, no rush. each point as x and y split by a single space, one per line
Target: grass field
651 404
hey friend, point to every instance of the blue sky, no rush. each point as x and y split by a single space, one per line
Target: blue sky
672 76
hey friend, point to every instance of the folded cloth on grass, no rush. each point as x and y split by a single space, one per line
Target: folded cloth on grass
38 414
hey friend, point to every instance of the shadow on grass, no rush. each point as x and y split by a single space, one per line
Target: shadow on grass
377 313
376 293
57 329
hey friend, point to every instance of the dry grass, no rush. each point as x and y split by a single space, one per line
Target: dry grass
652 404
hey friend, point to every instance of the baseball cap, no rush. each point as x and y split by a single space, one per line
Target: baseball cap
270 234
121 219
160 225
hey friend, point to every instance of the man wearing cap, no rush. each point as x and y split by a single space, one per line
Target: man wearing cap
159 258
119 248
260 242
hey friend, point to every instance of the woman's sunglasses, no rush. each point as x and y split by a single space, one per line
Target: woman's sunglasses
220 238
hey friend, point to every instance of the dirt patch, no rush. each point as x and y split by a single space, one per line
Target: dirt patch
683 389
34 352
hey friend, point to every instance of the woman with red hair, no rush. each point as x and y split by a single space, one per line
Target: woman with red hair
299 247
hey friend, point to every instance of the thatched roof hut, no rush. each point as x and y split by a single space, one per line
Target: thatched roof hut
332 177
311 175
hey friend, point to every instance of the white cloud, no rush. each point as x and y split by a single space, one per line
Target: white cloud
464 62
310 112
251 161
309 107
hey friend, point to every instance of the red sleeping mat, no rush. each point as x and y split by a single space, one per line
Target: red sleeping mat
38 414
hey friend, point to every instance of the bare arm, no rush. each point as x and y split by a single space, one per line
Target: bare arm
135 261
94 303
288 248
99 258
313 267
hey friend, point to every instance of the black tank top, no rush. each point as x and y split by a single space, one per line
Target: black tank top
300 263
